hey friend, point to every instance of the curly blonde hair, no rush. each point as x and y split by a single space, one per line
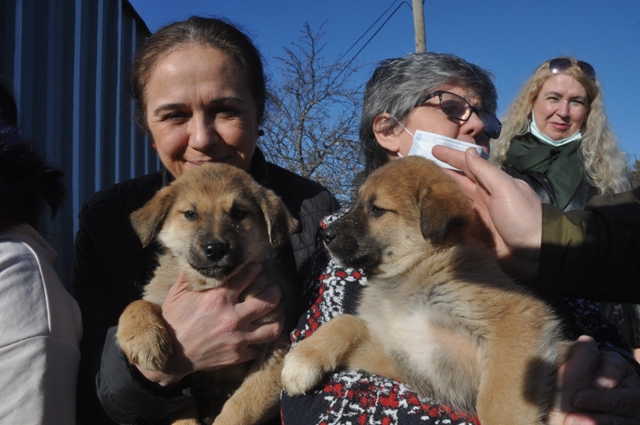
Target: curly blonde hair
605 164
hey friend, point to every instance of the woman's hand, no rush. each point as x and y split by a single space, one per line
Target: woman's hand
509 207
600 388
213 328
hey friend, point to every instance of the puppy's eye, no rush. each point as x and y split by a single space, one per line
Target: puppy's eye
238 214
190 215
376 211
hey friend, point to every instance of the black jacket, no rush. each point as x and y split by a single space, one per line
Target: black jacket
625 316
110 269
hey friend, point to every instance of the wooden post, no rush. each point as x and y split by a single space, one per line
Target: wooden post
418 24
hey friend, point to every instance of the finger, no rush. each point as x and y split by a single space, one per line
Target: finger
611 370
583 360
241 280
469 162
467 185
260 304
617 402
453 157
266 332
575 374
484 173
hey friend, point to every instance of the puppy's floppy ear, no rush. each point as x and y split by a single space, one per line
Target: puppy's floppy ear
444 211
148 220
280 222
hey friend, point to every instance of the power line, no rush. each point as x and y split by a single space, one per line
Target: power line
363 34
374 34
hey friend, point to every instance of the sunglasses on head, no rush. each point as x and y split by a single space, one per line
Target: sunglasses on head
560 65
458 108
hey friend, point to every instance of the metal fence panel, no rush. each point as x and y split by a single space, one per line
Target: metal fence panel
69 63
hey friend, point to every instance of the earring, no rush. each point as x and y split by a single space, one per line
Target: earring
153 145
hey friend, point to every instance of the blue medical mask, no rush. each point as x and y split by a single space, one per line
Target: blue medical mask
533 129
423 143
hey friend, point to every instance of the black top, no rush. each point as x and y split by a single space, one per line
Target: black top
110 269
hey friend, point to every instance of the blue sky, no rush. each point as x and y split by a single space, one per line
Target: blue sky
509 38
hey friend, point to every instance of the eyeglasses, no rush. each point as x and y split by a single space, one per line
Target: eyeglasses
560 65
458 108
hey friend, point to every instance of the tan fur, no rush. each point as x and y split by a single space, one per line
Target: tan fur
212 222
438 312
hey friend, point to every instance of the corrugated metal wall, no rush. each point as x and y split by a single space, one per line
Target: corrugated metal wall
69 63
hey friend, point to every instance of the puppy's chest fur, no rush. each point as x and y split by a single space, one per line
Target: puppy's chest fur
416 313
435 320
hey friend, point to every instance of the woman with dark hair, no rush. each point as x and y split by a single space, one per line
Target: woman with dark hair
200 91
40 325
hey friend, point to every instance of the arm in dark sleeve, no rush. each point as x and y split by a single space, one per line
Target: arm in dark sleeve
125 396
593 254
103 284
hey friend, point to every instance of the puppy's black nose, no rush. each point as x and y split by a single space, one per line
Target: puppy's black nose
216 250
329 234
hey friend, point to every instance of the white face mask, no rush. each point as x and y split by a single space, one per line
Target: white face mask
423 143
533 129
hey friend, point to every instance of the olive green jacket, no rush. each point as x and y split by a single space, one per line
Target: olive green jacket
593 254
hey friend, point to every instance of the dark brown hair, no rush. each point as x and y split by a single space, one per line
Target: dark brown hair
213 32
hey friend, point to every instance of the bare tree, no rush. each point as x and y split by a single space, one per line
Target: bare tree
312 119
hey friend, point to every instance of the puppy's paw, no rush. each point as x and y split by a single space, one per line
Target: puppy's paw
142 336
150 349
300 373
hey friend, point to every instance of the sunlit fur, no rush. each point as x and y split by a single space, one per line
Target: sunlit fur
437 313
605 164
215 205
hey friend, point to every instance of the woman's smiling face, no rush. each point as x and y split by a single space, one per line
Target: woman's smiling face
561 107
200 109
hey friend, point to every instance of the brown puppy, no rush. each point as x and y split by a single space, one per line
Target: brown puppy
437 313
212 222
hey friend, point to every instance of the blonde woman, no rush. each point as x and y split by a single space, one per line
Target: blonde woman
557 138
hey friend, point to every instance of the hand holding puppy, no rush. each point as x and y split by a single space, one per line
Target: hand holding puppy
215 328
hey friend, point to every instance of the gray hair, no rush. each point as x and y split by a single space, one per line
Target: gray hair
397 84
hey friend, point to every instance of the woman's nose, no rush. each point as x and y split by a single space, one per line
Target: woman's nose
563 109
202 133
473 126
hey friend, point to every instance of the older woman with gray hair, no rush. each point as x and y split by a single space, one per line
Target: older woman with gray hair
409 102
395 96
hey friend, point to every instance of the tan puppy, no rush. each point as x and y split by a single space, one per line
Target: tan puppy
437 313
212 222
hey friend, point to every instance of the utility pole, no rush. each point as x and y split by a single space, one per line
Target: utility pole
418 24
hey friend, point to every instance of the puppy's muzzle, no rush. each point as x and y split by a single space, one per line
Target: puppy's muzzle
329 234
216 250
215 258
